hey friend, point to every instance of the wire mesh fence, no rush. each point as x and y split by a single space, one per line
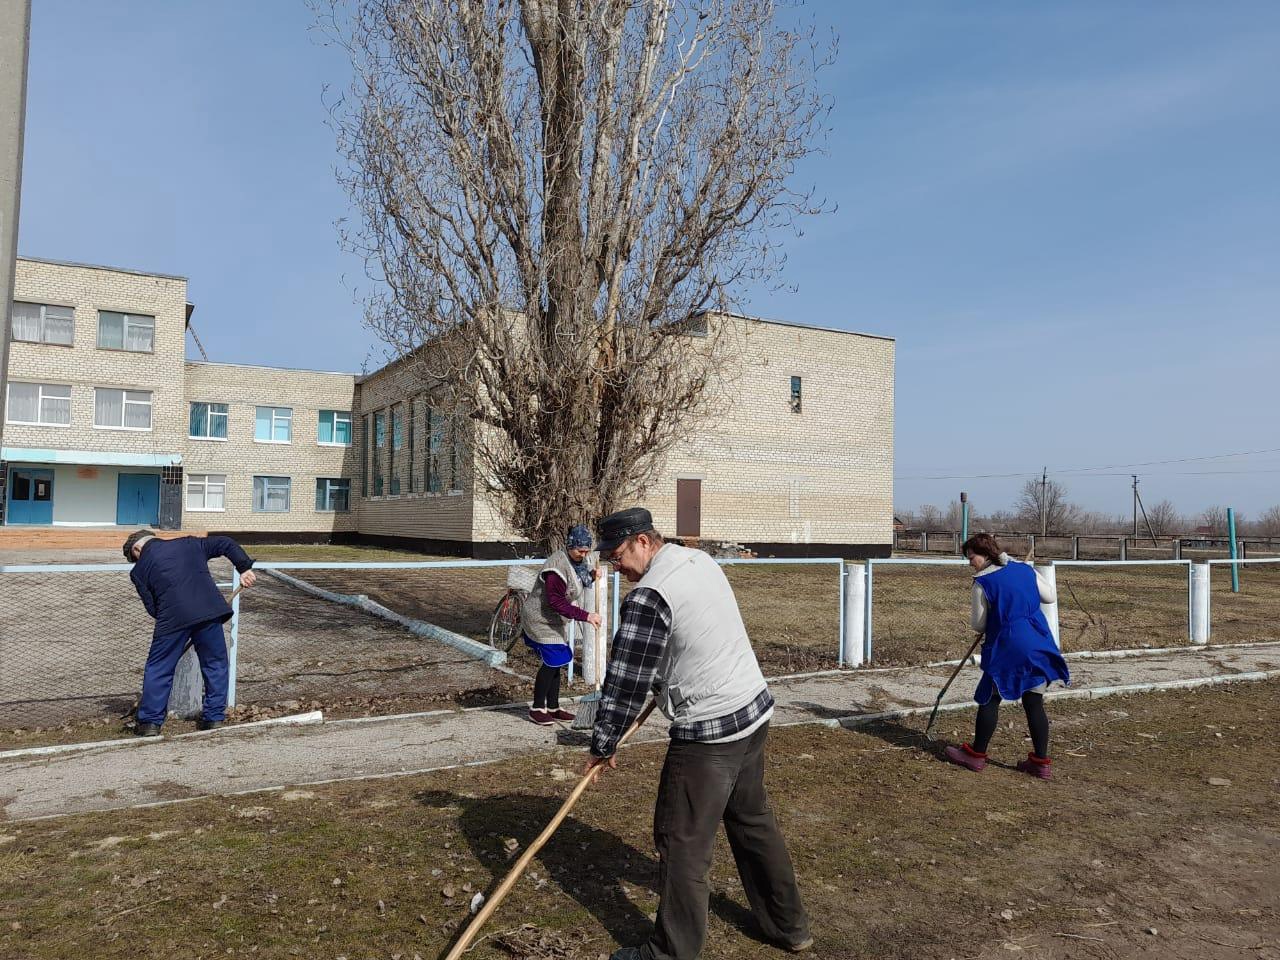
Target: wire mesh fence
73 642
793 612
1251 615
1106 605
918 610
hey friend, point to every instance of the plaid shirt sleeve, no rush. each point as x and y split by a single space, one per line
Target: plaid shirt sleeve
643 630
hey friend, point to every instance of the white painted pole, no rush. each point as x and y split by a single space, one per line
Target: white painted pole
590 638
855 621
1200 603
1050 610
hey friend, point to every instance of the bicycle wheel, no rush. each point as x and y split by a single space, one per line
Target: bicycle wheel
504 626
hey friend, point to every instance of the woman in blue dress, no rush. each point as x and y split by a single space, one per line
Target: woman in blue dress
1019 655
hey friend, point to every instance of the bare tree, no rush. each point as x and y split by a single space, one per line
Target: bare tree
1268 525
1046 503
560 197
1165 519
1215 518
929 518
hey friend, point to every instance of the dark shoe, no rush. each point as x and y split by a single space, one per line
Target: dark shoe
147 730
541 717
1039 767
801 947
627 953
564 715
208 724
967 757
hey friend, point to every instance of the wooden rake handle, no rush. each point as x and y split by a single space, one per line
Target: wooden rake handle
526 858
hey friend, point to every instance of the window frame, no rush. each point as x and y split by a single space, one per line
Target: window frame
266 478
124 331
274 418
44 308
328 490
40 398
208 420
205 484
796 399
337 417
124 408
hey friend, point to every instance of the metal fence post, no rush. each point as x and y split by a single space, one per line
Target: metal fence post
1177 548
1075 547
866 616
1124 548
233 655
854 644
924 541
1200 594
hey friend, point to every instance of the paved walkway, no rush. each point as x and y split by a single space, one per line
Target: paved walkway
229 761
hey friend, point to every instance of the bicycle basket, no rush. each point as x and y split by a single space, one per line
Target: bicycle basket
522 578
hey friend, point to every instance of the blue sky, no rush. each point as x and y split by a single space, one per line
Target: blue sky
1067 214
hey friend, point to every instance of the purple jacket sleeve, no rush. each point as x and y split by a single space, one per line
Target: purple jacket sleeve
557 597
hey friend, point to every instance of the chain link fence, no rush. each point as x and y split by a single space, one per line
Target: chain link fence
918 610
1107 605
1252 614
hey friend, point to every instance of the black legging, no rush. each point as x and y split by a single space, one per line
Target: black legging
1037 723
546 688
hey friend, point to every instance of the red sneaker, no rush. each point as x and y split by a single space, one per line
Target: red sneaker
1041 767
967 757
563 715
541 717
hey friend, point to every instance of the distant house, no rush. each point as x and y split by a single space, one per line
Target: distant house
898 525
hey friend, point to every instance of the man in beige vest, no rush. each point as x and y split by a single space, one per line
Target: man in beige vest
680 633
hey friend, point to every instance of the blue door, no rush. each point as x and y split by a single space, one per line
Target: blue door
30 496
138 500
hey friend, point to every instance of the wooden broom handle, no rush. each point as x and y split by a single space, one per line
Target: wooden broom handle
526 858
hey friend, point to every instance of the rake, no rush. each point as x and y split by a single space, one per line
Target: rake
928 727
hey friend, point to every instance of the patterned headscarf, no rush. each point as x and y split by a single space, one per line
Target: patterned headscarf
580 538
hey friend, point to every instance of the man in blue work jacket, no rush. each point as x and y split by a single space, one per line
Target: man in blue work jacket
172 578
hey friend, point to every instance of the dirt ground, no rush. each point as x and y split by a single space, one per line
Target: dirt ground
1159 837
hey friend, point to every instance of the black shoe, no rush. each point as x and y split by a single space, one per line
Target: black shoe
147 730
208 724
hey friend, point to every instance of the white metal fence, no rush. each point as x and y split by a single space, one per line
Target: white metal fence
74 637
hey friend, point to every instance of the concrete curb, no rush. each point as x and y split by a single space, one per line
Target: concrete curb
419 628
293 719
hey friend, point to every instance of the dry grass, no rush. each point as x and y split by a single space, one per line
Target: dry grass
898 854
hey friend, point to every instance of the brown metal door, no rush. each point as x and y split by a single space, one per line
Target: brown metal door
688 508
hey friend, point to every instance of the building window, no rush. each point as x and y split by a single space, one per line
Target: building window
209 421
795 395
126 331
46 404
434 467
364 457
121 409
43 323
271 494
397 429
273 425
332 495
334 428
206 491
379 430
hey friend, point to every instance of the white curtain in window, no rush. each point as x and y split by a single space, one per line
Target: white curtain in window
215 495
139 333
137 410
59 322
110 330
26 321
108 408
55 405
24 402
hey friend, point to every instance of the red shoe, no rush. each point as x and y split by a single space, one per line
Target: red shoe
967 757
564 715
1041 767
541 717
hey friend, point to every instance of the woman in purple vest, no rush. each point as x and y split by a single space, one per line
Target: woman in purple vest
1019 656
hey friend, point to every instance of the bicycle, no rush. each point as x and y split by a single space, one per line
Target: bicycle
504 625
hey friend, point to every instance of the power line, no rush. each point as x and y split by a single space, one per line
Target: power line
1113 466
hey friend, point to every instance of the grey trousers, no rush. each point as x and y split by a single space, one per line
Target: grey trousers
703 784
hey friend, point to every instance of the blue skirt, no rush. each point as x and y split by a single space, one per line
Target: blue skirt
1021 658
552 654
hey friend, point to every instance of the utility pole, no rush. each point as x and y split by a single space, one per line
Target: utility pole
1044 503
1135 505
15 34
1138 505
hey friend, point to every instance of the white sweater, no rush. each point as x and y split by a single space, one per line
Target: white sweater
978 599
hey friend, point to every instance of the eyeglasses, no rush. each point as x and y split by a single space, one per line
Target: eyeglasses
616 552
